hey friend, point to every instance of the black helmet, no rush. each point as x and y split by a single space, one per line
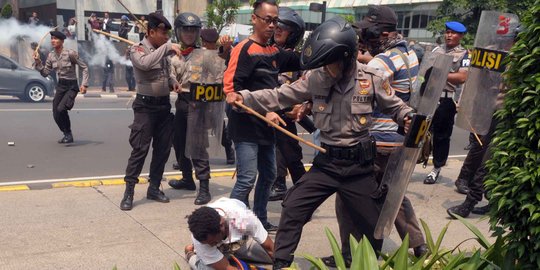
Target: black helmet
187 19
290 18
333 40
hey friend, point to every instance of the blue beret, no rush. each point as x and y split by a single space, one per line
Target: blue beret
456 27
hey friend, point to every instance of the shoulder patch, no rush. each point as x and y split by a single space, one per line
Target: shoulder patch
371 70
386 87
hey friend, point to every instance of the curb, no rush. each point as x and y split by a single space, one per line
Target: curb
104 95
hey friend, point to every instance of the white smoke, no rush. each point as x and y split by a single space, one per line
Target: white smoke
104 48
11 30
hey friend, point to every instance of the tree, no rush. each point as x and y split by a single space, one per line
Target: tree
468 12
513 179
7 11
221 13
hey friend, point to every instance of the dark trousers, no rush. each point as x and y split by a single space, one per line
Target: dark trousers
130 78
108 80
354 183
288 155
63 101
406 221
473 169
201 166
226 142
152 124
442 126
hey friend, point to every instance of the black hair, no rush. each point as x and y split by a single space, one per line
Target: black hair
258 3
203 222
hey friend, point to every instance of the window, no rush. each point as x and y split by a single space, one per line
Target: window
5 63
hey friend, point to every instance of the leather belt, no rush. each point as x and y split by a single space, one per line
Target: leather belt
447 94
154 100
363 152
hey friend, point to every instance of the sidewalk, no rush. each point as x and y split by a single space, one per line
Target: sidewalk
83 228
95 92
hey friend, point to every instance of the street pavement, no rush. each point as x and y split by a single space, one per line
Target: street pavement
83 228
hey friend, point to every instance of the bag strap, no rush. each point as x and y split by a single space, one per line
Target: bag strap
406 61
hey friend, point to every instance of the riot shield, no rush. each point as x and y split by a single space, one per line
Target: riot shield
207 105
402 162
495 36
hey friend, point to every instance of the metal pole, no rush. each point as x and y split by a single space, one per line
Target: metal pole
323 16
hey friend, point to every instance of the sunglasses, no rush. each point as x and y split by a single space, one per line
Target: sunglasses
268 20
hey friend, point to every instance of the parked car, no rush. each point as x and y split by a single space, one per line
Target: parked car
22 82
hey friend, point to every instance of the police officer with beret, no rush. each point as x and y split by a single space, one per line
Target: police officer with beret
152 123
343 92
443 119
63 61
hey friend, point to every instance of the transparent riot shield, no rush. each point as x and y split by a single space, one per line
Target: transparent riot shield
207 106
494 38
402 162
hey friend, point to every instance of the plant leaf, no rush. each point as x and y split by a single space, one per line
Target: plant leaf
340 263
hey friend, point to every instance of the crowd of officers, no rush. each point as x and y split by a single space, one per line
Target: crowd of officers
355 81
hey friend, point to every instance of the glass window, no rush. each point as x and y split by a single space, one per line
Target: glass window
415 21
4 63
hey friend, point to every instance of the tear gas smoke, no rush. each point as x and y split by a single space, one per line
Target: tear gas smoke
11 30
103 49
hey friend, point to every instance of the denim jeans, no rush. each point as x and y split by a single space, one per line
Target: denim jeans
250 158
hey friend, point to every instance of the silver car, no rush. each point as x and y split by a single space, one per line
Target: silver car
22 82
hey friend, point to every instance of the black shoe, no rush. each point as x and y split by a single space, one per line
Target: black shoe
331 262
127 202
462 210
155 194
68 138
229 152
269 227
462 186
420 250
481 210
277 194
203 197
187 184
433 176
176 166
280 264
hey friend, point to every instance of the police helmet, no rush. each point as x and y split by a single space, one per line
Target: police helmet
187 20
333 40
291 20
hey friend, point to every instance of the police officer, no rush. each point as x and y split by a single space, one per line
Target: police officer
289 31
342 91
152 122
63 61
443 119
187 29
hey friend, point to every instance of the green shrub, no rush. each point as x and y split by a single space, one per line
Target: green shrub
513 172
7 11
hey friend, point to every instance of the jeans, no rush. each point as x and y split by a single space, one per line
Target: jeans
252 157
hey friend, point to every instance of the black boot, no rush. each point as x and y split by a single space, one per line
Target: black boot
186 183
203 197
279 264
153 193
278 191
68 138
462 186
462 210
127 202
481 210
230 155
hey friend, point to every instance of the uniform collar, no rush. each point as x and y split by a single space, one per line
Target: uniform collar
147 44
458 48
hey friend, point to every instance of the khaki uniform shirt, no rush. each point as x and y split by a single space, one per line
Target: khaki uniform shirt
200 66
341 111
64 64
151 67
460 62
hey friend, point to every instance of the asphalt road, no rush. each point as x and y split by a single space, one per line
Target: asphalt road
101 148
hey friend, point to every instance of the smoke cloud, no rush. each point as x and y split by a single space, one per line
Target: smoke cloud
103 49
11 30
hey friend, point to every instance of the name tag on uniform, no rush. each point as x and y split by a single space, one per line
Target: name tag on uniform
207 92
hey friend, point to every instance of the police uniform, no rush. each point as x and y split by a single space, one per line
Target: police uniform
152 123
443 119
342 112
64 63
